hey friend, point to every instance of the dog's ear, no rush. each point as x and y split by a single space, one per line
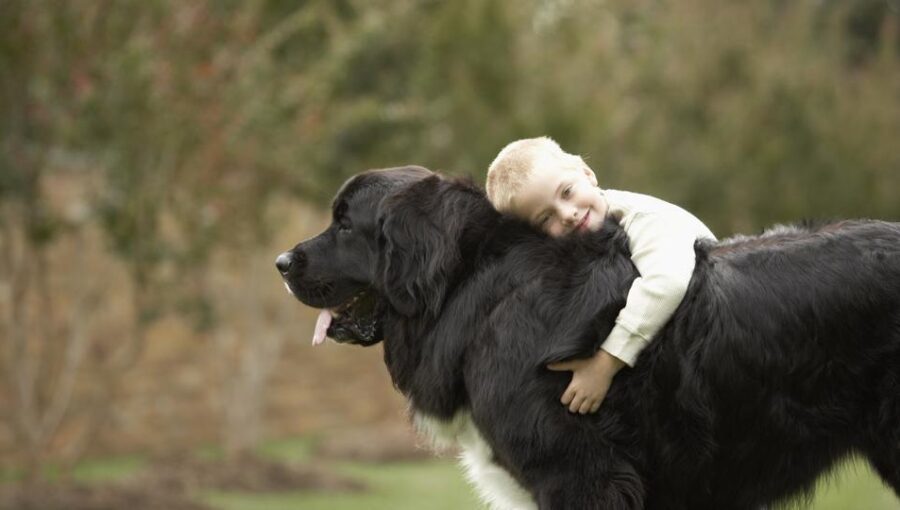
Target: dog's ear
419 231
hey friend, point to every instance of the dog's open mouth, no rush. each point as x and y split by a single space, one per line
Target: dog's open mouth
356 321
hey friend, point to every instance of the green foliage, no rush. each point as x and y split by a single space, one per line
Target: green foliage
747 113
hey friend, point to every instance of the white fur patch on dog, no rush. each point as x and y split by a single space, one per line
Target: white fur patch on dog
494 485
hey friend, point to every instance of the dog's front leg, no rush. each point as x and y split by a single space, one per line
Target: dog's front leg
619 490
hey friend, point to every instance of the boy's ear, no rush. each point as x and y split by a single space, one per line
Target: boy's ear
589 173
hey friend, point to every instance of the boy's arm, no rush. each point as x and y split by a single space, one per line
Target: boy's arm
662 249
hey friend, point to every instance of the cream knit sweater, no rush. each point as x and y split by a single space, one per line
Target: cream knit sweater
661 239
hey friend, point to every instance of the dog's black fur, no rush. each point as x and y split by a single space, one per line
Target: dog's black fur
783 358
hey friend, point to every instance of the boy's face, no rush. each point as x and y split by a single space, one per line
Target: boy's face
561 201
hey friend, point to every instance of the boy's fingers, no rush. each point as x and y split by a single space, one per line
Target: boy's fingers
568 396
576 404
595 407
585 406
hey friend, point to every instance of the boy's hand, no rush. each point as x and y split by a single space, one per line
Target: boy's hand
591 378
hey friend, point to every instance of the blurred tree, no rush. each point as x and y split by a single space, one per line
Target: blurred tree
161 122
44 339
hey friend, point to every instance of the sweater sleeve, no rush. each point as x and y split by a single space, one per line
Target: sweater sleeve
662 249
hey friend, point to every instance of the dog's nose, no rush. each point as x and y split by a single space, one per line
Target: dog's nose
283 262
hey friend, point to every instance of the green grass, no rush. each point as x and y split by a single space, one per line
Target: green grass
292 449
296 449
436 485
10 474
439 485
854 485
109 469
88 471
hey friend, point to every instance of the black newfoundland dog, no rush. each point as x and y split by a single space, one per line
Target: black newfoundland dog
783 358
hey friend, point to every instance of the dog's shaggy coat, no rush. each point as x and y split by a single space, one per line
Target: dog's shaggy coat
783 358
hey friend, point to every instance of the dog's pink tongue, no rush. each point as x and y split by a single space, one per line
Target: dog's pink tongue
322 323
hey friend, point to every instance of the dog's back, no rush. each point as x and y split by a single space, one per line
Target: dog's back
784 356
788 351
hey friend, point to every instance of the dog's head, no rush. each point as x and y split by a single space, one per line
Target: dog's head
394 242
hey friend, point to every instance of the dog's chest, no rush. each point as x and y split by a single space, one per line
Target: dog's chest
495 486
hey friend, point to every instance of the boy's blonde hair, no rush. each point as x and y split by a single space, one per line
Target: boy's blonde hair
514 164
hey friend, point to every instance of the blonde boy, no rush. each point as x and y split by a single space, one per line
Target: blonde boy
557 192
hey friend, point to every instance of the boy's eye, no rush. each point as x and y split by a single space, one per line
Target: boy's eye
567 191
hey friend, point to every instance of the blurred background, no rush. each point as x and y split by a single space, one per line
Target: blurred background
156 155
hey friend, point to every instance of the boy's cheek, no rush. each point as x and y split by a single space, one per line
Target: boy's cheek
547 228
555 231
